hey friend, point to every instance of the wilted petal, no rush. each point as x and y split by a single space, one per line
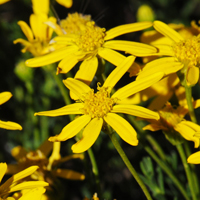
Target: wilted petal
90 135
122 127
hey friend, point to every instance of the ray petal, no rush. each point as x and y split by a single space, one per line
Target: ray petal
26 30
194 158
5 96
3 168
10 125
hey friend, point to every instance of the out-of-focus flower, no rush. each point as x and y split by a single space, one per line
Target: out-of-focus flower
16 183
92 44
172 123
5 96
182 54
99 108
39 35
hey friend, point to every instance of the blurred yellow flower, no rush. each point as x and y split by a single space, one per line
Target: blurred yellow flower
100 108
5 96
91 44
15 183
39 35
182 54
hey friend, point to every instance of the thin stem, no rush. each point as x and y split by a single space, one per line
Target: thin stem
168 171
95 172
187 171
128 164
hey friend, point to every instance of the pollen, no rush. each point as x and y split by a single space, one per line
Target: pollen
188 51
75 23
98 104
91 38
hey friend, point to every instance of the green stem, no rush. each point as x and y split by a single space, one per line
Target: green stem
167 170
187 171
128 164
188 94
95 172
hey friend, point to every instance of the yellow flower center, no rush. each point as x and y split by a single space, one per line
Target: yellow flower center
75 23
188 51
98 104
91 38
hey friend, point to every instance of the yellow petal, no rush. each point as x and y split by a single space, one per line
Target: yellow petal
33 194
66 110
135 111
127 28
71 129
194 158
26 30
3 1
153 127
192 75
122 127
192 125
23 42
111 56
137 86
18 152
51 57
68 174
187 133
165 30
118 72
77 87
166 65
66 3
90 135
40 7
163 49
5 96
3 168
134 48
10 125
87 70
68 62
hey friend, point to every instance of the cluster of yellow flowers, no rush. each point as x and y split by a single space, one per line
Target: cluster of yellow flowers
171 61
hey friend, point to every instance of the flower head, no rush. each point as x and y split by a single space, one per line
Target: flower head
91 44
99 108
5 96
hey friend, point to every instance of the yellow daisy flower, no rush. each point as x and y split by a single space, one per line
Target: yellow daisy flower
39 35
93 43
182 54
172 122
5 96
15 183
99 108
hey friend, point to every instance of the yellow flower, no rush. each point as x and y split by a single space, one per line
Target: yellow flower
93 43
13 184
48 167
172 122
3 1
5 96
39 35
101 107
182 54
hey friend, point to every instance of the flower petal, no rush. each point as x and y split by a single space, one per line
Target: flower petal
68 174
164 49
153 127
51 57
10 125
166 65
90 135
192 75
134 48
134 110
194 158
74 108
40 7
26 30
71 129
87 70
118 72
5 96
137 86
167 31
77 87
33 194
66 3
127 28
122 127
3 168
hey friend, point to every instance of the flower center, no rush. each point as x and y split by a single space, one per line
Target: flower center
188 51
91 38
98 104
75 23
